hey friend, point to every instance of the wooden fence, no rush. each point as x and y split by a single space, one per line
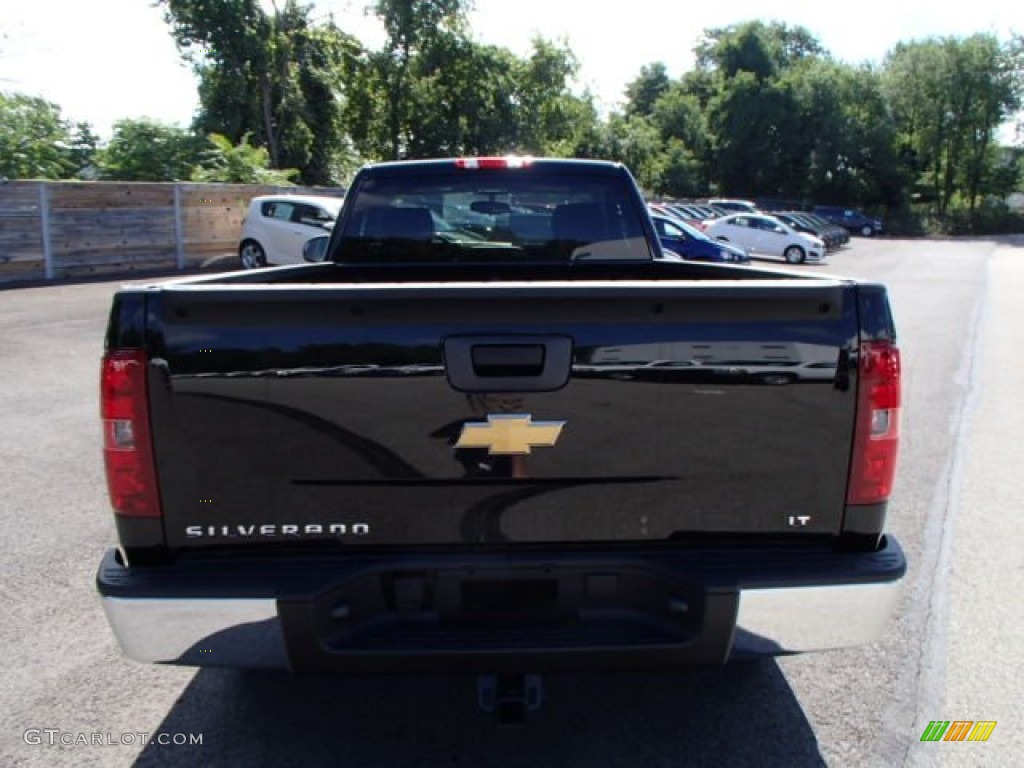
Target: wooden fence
63 229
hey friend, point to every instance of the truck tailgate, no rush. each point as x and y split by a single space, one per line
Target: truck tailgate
511 413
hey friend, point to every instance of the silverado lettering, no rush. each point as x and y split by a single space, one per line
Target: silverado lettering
308 529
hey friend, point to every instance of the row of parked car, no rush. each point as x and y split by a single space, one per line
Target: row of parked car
739 229
277 227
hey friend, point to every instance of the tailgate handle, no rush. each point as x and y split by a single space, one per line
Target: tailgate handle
507 363
507 359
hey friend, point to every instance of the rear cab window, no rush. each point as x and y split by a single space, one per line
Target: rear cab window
445 214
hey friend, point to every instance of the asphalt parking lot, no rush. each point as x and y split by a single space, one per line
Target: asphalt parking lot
953 653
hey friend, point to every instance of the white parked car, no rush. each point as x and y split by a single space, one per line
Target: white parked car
762 235
277 226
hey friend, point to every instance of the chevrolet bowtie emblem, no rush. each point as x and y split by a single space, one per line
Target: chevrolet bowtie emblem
509 434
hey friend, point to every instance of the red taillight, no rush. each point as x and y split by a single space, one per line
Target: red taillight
493 162
877 436
127 448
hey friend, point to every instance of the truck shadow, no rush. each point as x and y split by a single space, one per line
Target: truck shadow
742 714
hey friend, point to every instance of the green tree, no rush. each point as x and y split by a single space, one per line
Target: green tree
464 97
324 56
148 150
83 148
243 163
763 50
1008 173
411 26
682 174
35 141
871 160
462 100
949 96
756 144
581 128
365 104
276 76
841 147
683 126
636 143
992 77
751 122
643 92
545 109
767 112
677 114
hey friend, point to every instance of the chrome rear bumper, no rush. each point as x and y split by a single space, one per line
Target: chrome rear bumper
254 631
198 632
798 619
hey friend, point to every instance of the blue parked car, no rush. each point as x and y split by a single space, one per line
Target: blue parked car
854 221
692 244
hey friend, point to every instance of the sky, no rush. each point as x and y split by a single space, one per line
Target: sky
102 60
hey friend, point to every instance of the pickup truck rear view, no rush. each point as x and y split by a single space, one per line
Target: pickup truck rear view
494 430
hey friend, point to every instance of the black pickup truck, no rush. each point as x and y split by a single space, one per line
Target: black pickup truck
493 429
